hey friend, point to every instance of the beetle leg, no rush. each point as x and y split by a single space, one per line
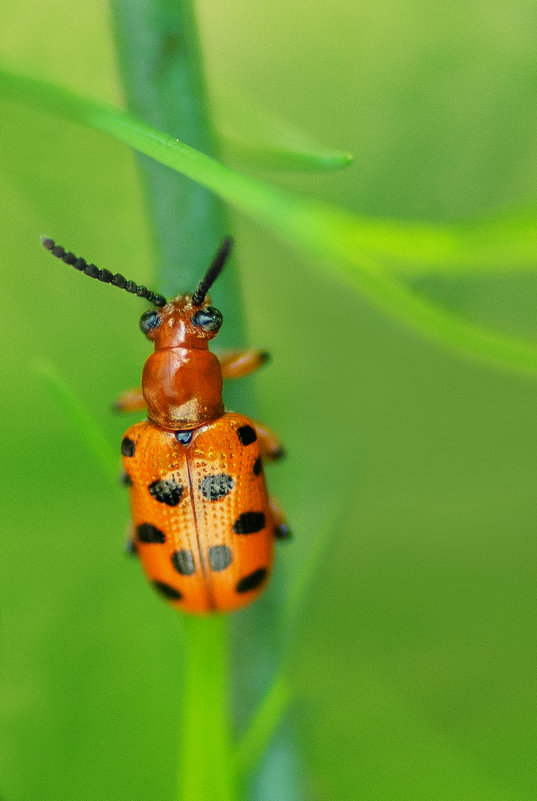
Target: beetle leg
238 363
269 444
132 400
130 542
281 529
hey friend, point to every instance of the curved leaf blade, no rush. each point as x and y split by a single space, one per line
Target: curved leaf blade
504 242
282 159
330 235
255 138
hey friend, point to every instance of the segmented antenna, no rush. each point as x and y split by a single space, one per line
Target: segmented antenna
213 272
101 275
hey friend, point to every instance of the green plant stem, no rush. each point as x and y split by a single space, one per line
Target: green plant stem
207 768
161 69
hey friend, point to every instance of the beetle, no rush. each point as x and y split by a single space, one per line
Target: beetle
203 525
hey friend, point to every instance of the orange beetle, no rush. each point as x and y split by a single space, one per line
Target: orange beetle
203 524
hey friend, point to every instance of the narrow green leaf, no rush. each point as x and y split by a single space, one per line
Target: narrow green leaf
91 434
332 236
255 138
264 723
504 242
282 159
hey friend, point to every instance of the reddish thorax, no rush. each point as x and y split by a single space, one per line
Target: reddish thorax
182 379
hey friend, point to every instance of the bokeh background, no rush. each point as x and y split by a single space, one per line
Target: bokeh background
414 666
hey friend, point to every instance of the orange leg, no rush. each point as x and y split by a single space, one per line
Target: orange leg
238 363
281 529
269 444
130 539
130 542
132 400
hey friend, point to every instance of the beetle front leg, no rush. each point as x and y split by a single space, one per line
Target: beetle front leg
132 400
130 542
238 363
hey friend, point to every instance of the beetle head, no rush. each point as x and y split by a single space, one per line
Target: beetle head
188 320
180 323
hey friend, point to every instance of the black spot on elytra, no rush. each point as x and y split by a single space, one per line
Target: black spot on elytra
166 491
216 486
149 534
220 557
183 562
249 523
246 434
183 437
252 580
127 447
258 466
167 591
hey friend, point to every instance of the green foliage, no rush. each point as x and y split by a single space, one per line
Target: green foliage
411 663
359 249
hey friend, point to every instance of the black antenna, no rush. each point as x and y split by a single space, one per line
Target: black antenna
213 272
101 275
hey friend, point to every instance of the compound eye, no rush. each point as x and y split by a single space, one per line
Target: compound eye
208 319
149 321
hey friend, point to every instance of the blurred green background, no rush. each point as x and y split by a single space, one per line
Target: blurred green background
414 666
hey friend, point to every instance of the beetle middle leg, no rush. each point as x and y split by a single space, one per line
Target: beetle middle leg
238 363
132 400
